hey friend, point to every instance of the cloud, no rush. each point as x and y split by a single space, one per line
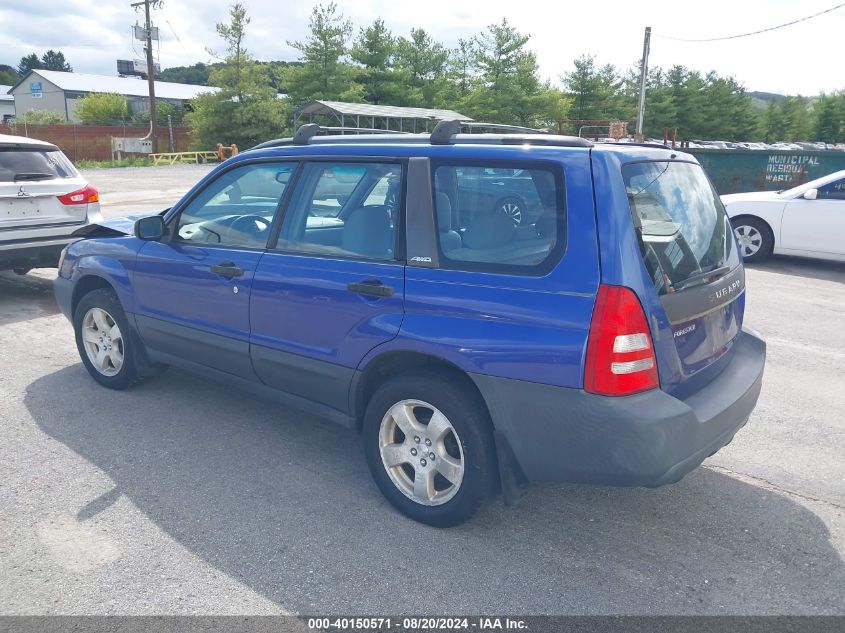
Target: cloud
799 59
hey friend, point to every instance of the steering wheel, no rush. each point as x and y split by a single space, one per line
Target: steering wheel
251 226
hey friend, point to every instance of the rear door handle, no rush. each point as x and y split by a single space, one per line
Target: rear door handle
370 288
227 269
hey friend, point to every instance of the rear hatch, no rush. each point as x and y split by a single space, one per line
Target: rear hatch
32 178
690 253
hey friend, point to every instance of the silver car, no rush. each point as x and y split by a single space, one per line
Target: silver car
43 199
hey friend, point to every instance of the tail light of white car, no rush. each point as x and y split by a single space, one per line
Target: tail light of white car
85 195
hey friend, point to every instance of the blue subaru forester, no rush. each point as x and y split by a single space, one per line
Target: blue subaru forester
486 309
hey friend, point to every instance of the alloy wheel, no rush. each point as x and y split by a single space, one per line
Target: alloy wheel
513 211
103 341
750 240
421 452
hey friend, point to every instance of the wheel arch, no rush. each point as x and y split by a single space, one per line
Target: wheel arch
742 215
511 478
88 283
392 363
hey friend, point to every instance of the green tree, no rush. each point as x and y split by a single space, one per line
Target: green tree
323 74
509 88
8 75
798 120
40 117
245 110
196 74
233 35
163 110
597 92
424 61
102 108
55 60
29 62
829 115
773 124
461 67
373 49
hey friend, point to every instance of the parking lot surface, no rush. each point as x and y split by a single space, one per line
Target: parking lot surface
129 190
181 496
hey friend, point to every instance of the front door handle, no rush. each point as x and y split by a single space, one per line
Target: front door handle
227 269
370 288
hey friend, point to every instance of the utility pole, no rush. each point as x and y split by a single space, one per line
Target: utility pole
643 78
150 68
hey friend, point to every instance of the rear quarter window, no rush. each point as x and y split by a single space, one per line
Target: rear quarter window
501 217
22 164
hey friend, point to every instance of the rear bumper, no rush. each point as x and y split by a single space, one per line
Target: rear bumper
647 439
32 252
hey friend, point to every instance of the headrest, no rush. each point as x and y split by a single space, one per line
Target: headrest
444 212
368 231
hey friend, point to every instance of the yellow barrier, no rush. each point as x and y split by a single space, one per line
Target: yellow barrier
171 158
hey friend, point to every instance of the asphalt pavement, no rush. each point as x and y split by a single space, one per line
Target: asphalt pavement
185 497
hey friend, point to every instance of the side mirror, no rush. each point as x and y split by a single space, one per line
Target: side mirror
151 228
811 194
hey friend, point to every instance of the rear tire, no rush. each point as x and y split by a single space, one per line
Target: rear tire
108 347
512 207
429 446
755 238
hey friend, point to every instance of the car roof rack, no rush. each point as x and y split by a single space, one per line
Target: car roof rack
308 131
304 134
635 144
445 130
444 133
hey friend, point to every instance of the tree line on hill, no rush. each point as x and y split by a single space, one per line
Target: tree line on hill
493 76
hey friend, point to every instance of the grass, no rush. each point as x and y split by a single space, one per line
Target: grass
134 161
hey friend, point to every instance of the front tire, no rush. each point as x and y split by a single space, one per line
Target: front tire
430 448
755 238
107 346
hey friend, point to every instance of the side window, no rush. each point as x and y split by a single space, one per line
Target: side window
344 209
237 208
833 191
502 218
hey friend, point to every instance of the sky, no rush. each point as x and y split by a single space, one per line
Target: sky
802 59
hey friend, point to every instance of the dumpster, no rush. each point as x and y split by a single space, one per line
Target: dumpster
736 170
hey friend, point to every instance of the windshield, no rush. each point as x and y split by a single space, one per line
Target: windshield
682 226
18 164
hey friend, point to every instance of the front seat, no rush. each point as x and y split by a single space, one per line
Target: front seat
368 231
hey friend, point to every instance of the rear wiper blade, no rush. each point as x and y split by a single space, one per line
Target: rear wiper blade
700 277
32 176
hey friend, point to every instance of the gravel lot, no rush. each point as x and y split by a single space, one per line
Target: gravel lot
128 190
184 497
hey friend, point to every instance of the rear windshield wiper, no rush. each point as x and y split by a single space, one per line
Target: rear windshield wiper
701 277
32 176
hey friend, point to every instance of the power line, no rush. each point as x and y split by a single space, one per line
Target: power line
771 28
175 34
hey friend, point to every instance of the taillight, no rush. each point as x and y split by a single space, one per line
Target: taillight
620 356
81 196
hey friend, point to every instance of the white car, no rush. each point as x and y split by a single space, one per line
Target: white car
43 199
807 220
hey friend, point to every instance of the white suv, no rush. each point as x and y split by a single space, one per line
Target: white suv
43 199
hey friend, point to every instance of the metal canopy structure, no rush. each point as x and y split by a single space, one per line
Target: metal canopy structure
381 117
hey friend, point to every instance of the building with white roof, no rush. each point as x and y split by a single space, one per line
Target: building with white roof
7 104
59 91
